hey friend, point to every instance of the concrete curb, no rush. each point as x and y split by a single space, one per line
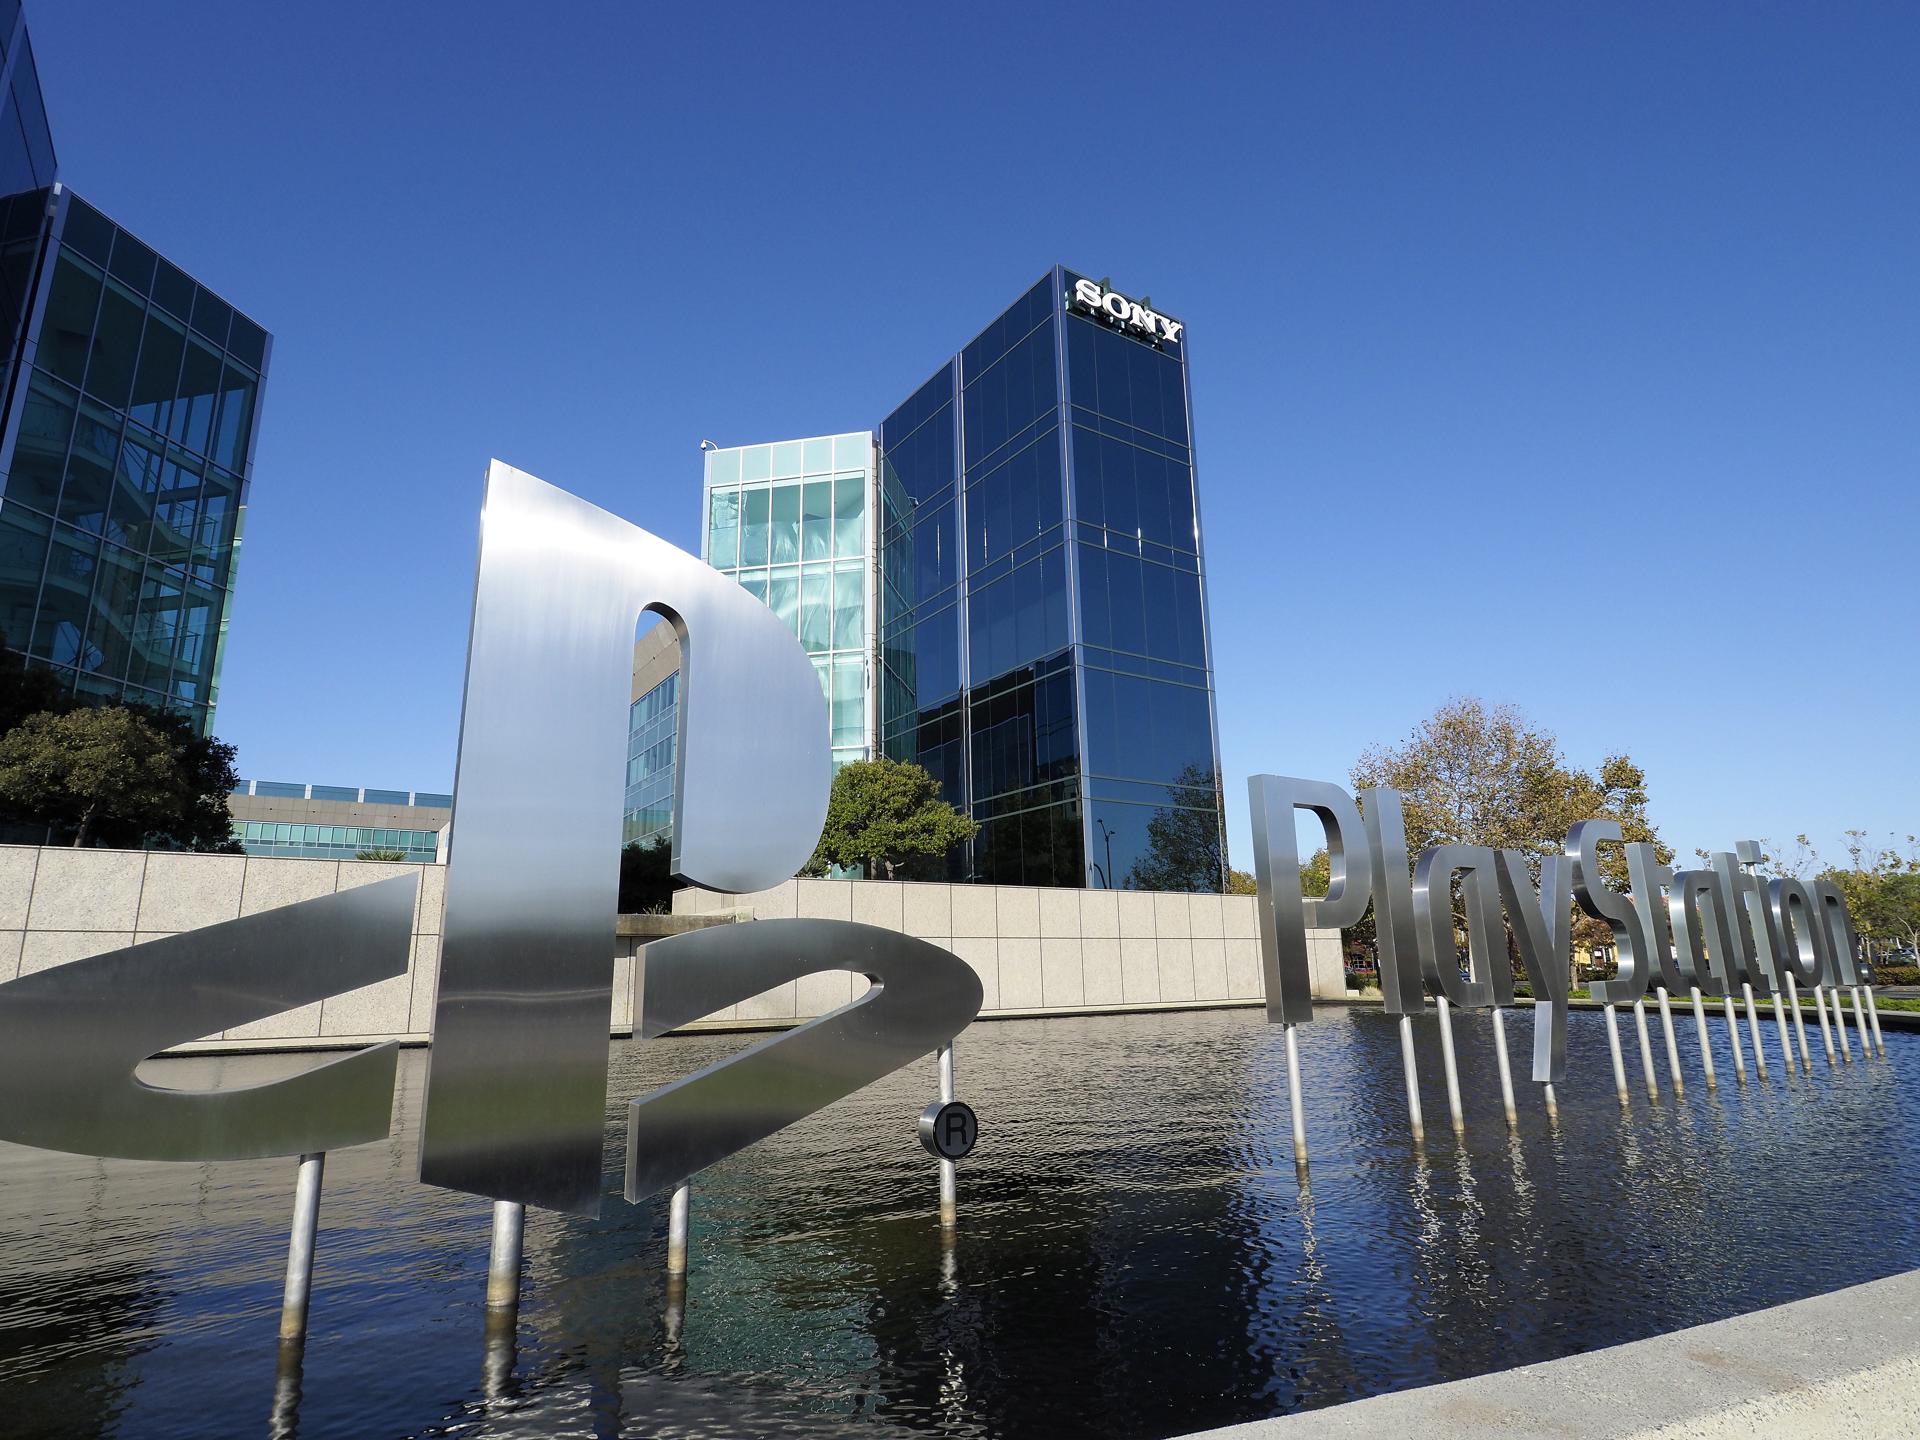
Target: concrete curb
1846 1363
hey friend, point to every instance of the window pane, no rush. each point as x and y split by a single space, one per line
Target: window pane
755 584
755 462
849 700
818 456
786 460
236 415
785 534
816 629
110 637
816 511
156 628
116 343
40 457
68 328
753 526
723 467
850 452
176 511
60 628
90 465
23 554
849 610
159 373
850 515
723 528
783 596
192 423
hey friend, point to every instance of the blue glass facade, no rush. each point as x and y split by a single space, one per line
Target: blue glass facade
1044 645
129 403
653 725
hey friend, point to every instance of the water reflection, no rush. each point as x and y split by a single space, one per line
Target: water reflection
1135 1256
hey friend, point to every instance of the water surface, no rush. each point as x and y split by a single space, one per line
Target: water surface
1136 1257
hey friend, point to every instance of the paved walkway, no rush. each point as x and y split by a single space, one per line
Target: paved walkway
1845 1364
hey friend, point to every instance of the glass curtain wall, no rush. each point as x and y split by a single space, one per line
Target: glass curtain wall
1043 637
789 521
652 735
127 462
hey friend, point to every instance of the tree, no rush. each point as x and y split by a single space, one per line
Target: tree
203 820
887 815
108 775
1240 882
1475 774
1882 889
26 689
1185 847
387 855
646 876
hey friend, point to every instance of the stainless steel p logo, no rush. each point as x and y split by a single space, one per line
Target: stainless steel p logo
517 1084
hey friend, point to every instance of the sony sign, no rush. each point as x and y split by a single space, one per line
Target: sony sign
1090 295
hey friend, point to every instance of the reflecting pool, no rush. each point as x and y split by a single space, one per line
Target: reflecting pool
1135 1256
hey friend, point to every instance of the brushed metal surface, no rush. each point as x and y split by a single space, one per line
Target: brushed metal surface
1492 977
71 1036
1542 919
1397 945
922 996
1797 928
517 1080
1701 919
1284 915
1634 955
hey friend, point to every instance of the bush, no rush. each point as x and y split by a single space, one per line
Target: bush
1896 974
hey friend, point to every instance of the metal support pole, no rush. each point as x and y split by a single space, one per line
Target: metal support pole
1799 1023
1613 1050
949 1179
679 1217
1826 1033
1552 1102
1860 1024
503 1256
1786 1033
1753 1031
1706 1045
306 1225
1299 1101
1673 1048
1873 1014
1506 1068
1646 1048
1414 1120
1453 1071
1840 1024
1733 1040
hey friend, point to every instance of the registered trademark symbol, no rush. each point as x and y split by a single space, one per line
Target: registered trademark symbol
948 1129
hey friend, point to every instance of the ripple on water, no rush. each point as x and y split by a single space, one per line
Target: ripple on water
1136 1258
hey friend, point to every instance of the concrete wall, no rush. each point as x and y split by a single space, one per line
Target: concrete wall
58 905
1038 952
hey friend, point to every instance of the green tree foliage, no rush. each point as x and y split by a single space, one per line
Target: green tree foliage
1241 882
1475 774
646 876
114 775
886 817
387 855
1881 884
66 758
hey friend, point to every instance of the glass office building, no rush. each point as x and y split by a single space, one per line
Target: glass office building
1044 639
296 820
790 522
653 723
129 404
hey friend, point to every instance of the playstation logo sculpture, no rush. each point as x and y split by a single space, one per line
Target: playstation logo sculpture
517 1075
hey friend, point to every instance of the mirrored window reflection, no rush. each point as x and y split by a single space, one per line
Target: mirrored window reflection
785 532
723 529
755 507
816 520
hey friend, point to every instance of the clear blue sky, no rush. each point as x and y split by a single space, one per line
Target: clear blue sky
1564 355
